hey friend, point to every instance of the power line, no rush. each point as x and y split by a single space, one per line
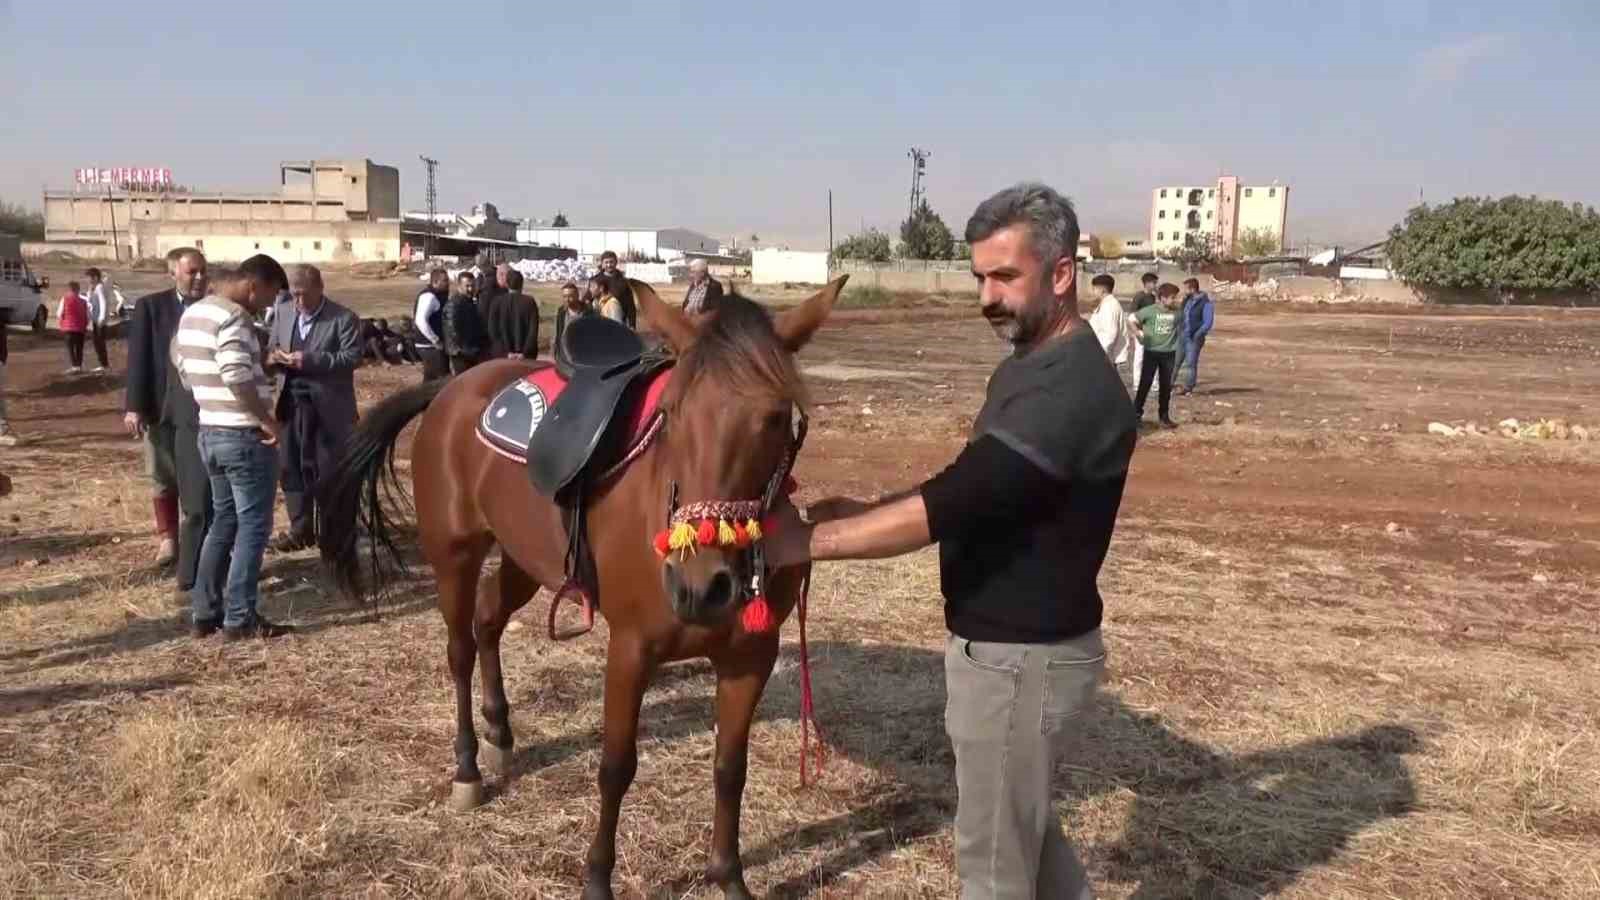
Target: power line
433 196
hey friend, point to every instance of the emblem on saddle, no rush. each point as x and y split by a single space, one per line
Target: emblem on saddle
576 424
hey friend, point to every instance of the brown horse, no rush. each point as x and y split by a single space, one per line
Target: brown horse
729 409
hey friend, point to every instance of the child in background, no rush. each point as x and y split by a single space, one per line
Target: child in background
1157 325
72 317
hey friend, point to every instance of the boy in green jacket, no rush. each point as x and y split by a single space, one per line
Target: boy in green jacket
1157 327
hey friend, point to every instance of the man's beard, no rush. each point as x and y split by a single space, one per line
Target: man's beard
1025 327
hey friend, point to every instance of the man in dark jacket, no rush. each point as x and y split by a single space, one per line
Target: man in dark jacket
466 340
573 306
159 410
1199 313
514 321
313 354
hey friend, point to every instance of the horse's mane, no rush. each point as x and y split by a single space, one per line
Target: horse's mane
738 349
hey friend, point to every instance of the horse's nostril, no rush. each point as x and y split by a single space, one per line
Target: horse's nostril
719 592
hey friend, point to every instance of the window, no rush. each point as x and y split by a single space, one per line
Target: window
199 244
316 245
1162 214
285 245
258 245
1247 192
349 247
352 179
1272 192
1208 213
1211 193
1163 192
1161 235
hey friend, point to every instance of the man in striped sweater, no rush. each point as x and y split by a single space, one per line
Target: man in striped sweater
218 356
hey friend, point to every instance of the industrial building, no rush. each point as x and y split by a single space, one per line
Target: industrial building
1224 209
322 211
665 244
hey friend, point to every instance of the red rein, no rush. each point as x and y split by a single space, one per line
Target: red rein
735 524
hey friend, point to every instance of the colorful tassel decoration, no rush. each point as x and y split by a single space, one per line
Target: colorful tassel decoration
725 534
682 537
753 529
707 534
663 543
769 525
741 536
756 616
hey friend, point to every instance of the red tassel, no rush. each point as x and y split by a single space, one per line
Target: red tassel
741 537
663 543
707 535
769 526
757 616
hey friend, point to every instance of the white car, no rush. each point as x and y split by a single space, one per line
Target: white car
22 297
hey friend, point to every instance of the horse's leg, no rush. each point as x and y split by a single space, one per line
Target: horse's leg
458 572
511 590
627 673
742 675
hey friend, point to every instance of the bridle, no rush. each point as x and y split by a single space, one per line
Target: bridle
736 524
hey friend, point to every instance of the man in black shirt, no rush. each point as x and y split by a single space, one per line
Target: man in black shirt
514 322
1023 518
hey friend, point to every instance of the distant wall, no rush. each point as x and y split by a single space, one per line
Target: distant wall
795 266
288 242
82 249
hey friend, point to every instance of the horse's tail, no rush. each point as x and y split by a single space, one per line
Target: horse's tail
352 498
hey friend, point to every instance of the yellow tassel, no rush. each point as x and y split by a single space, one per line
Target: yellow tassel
725 535
753 528
682 537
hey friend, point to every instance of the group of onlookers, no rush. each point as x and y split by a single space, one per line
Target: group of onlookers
82 317
1162 334
225 411
482 316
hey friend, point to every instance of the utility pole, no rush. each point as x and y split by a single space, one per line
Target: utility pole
919 166
830 225
433 197
111 204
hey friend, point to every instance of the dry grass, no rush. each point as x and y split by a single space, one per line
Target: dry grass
1301 702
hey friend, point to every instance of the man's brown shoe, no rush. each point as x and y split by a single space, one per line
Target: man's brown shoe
260 628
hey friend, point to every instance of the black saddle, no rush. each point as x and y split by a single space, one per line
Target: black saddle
600 359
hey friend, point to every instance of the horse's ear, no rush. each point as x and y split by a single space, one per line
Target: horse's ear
663 318
796 326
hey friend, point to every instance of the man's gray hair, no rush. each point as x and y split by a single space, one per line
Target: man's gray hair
1052 222
306 272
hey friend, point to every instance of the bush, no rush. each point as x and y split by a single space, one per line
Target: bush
27 224
1513 243
1255 242
871 245
925 236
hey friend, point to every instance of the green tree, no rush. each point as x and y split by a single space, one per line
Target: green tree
871 245
560 221
1513 243
926 236
27 224
1253 242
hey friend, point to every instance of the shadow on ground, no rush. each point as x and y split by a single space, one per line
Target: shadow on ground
1204 823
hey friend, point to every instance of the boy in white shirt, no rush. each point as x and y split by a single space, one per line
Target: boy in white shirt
1110 324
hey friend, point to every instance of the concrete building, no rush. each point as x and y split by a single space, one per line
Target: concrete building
1225 209
350 207
667 244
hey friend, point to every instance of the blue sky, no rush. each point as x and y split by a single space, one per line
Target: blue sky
737 118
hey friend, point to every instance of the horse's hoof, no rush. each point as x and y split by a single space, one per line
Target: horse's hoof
498 759
466 795
735 890
595 890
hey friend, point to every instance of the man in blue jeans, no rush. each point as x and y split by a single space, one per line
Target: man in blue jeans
1195 319
218 356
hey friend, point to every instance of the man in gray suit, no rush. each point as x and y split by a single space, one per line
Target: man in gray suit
313 352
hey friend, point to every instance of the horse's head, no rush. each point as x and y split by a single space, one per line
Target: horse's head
733 409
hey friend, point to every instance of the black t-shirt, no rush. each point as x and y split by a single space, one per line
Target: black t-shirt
1024 515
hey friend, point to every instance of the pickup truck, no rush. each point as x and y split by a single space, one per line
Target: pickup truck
22 297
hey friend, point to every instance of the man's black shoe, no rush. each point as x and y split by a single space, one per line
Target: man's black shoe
292 542
204 628
1168 423
260 628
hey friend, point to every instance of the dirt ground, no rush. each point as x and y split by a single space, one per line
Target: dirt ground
1348 658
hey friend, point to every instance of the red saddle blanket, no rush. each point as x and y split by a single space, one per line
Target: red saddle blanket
516 411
